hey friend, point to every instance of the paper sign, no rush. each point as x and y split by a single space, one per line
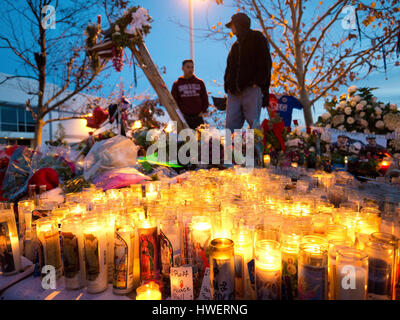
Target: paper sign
205 293
181 283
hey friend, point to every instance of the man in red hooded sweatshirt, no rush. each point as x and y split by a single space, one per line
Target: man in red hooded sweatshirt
191 95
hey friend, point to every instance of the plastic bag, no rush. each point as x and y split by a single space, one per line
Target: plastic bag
18 173
114 153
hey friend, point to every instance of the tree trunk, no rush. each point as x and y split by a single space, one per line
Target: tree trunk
307 113
305 101
38 133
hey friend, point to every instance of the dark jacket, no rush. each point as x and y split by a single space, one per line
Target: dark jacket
190 95
249 62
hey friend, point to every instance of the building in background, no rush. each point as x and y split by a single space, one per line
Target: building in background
17 125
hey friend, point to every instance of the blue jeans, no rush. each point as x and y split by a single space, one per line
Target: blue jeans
244 106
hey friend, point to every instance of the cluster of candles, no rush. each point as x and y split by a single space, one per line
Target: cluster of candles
258 233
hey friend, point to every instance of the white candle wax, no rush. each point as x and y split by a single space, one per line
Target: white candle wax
351 289
95 240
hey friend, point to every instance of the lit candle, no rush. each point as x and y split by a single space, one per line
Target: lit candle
95 242
200 228
109 226
149 250
290 242
123 256
23 208
10 255
170 242
336 232
73 253
243 255
313 271
334 245
365 227
382 253
222 269
267 160
320 221
148 291
268 270
152 191
49 241
352 274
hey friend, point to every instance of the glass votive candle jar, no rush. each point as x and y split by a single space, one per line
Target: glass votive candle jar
243 247
381 258
73 253
148 291
336 232
334 245
95 243
222 269
352 274
268 270
49 240
313 271
10 262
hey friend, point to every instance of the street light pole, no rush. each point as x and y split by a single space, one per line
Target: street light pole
191 29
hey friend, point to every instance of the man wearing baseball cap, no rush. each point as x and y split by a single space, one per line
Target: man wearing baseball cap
247 75
372 148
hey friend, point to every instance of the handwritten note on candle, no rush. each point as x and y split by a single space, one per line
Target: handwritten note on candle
181 283
205 293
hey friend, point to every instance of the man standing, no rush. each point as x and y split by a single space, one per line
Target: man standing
248 74
340 150
191 95
372 148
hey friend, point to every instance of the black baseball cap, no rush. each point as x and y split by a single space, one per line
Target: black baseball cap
239 18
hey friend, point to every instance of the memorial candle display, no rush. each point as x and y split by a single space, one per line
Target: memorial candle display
352 274
268 267
222 269
10 255
229 234
49 243
95 242
73 254
313 271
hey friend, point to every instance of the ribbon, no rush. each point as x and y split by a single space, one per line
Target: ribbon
398 44
358 26
384 60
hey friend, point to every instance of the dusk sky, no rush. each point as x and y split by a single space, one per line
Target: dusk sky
168 43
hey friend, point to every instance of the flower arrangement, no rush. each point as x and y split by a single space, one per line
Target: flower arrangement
309 147
130 28
127 31
360 111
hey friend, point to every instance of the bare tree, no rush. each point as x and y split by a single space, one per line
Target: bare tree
49 54
315 45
